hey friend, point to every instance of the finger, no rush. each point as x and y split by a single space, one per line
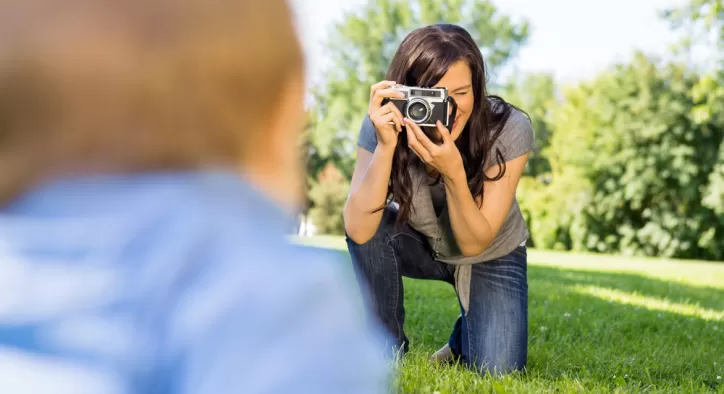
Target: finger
380 85
389 118
391 108
420 136
416 147
444 132
382 94
398 115
387 108
375 99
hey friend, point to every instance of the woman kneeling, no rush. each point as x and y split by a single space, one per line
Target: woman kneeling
440 203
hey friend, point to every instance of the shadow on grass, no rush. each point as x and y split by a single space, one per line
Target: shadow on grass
596 341
582 337
705 297
597 336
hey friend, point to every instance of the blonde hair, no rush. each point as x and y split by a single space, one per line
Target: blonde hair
95 86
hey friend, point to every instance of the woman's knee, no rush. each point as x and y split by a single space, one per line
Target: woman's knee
499 360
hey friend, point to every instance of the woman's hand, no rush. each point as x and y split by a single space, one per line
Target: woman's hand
386 118
445 158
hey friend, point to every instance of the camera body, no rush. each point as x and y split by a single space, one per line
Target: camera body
425 106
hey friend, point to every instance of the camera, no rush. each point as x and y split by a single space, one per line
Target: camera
425 106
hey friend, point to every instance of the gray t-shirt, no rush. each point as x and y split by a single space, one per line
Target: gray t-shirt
516 139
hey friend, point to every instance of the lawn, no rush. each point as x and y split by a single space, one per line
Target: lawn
597 324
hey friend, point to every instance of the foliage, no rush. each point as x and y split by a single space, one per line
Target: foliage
630 163
704 20
328 194
535 94
701 20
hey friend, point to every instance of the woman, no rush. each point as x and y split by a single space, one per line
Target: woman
146 189
455 217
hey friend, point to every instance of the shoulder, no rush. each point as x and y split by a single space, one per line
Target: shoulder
517 133
516 136
517 125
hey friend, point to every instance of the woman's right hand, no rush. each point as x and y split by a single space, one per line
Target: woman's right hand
386 118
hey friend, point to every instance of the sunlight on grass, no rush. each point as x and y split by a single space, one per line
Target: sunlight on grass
693 273
649 302
597 323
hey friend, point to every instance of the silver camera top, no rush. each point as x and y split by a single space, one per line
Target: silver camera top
424 106
432 94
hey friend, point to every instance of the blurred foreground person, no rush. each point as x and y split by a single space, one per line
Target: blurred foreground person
149 168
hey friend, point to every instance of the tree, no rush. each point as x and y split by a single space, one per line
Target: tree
361 47
701 20
703 23
328 194
536 95
631 162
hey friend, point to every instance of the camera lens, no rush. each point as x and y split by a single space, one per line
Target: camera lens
417 111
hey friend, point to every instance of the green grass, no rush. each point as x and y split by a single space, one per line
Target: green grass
597 324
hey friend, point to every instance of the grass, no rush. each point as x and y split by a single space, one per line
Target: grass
597 324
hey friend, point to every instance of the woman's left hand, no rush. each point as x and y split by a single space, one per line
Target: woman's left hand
445 158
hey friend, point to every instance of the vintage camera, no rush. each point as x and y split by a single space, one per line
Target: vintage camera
425 106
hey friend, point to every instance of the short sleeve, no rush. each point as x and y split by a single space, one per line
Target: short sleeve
367 136
516 139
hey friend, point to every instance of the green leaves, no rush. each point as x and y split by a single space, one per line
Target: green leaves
535 94
643 163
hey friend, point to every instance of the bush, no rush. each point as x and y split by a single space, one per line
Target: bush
630 163
328 195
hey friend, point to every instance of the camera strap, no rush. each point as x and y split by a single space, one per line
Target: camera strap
451 118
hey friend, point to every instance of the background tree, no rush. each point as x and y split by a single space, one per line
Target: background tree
328 193
702 24
635 162
536 95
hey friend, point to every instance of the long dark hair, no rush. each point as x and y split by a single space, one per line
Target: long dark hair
422 59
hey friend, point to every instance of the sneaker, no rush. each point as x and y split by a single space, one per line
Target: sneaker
444 355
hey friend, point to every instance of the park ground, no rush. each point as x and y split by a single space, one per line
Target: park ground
597 324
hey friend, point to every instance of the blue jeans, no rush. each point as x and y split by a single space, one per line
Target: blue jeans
492 337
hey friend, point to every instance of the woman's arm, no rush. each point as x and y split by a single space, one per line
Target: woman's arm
371 176
367 193
474 225
475 228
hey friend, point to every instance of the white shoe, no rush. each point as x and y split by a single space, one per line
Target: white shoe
443 355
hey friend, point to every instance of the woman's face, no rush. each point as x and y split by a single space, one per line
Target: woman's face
458 81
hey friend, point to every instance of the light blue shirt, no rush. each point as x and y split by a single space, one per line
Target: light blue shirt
173 283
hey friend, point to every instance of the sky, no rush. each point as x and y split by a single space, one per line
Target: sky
573 39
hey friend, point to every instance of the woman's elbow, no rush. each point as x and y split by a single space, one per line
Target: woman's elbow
353 231
473 250
359 239
354 234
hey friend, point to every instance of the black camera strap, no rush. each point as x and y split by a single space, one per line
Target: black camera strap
451 118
